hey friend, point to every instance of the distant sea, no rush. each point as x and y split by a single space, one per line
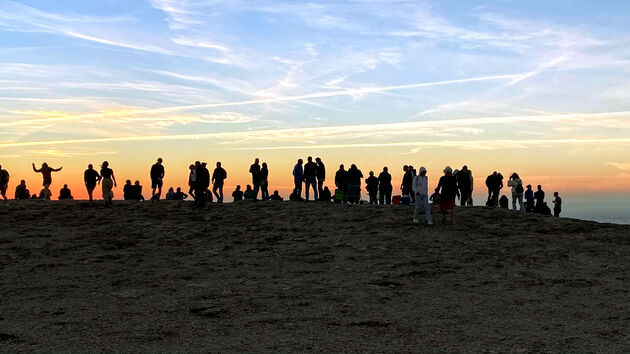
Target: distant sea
612 209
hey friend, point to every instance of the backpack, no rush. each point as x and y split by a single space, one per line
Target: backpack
519 188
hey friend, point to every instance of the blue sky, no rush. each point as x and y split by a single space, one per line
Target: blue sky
547 72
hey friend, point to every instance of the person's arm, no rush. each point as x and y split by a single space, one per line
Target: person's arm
56 169
36 170
113 178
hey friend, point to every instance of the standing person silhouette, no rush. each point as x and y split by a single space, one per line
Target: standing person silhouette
46 172
254 169
341 182
321 174
464 184
354 184
298 178
447 187
539 195
557 204
218 177
407 181
371 185
310 178
192 178
421 190
385 187
91 178
202 184
4 183
516 184
108 181
157 177
264 182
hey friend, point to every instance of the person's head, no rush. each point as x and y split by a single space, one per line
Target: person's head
249 187
204 164
238 187
171 189
66 186
275 192
137 183
264 165
409 168
44 165
159 160
22 183
423 171
448 170
310 159
197 163
385 169
318 160
128 181
405 168
539 187
353 167
341 167
218 163
514 175
494 173
90 167
256 160
465 168
529 186
179 189
300 161
192 167
105 164
326 189
371 173
555 194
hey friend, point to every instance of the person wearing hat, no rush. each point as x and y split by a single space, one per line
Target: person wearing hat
157 175
421 190
447 187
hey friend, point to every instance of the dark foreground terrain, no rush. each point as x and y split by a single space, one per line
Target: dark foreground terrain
269 277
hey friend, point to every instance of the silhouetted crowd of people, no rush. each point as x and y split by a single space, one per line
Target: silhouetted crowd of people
309 180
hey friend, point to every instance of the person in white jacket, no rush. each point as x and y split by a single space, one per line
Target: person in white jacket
517 191
421 191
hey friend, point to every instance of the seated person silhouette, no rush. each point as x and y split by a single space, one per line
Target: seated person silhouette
170 195
545 210
65 193
435 198
326 195
21 192
503 202
179 195
137 191
249 193
237 194
34 196
276 196
45 194
128 191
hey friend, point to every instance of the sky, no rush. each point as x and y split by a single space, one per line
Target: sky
537 87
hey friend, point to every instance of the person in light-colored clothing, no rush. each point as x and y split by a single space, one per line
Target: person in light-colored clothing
421 190
517 191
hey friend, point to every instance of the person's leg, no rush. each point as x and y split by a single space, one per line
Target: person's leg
221 192
427 208
215 187
514 198
388 196
320 186
416 211
315 190
256 189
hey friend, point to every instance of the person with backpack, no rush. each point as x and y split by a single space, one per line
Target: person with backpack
517 191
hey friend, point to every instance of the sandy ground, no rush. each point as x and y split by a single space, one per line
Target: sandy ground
273 276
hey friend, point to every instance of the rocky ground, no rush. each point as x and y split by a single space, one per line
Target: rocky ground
272 276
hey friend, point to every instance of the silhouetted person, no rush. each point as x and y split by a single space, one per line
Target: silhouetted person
249 193
529 198
128 191
321 174
179 195
325 195
503 202
65 193
202 183
557 204
4 183
192 178
516 184
157 177
435 198
237 194
494 182
544 209
407 181
170 194
90 178
264 182
137 191
447 187
385 187
34 196
254 169
539 195
276 196
46 172
420 188
21 192
412 195
219 175
45 193
354 184
464 183
371 185
310 178
298 178
341 182
108 182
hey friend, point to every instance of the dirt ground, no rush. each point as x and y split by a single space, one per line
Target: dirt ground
282 276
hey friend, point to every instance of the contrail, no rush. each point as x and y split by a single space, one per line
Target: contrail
347 92
342 129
